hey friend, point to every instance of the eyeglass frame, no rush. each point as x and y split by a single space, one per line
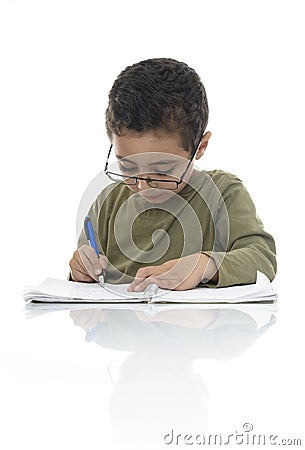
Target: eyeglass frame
148 180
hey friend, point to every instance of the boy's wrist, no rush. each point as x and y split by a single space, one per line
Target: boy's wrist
210 271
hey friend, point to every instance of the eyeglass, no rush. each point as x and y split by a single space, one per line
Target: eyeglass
170 183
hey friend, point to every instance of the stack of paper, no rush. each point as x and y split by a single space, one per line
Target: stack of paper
61 291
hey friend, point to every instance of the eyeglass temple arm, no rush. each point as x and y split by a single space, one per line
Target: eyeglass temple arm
192 157
106 165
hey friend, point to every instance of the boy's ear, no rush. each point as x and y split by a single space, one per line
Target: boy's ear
203 144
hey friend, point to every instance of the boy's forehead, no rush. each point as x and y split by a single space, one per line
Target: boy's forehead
149 142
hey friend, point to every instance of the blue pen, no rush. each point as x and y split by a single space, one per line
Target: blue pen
92 241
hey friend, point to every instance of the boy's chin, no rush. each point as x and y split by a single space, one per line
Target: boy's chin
156 196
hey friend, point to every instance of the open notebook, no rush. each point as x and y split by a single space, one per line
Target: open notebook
60 291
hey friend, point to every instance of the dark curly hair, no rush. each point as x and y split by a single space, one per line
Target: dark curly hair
158 94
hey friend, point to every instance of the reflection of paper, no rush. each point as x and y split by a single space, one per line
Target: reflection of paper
57 291
261 313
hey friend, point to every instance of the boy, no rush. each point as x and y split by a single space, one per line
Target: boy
163 221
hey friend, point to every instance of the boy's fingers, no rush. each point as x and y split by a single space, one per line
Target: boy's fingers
135 283
97 268
75 260
141 275
141 285
78 264
78 270
163 278
84 261
90 261
88 252
162 283
103 261
86 265
145 272
81 276
93 263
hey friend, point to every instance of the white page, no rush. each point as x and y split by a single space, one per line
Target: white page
54 290
262 288
62 289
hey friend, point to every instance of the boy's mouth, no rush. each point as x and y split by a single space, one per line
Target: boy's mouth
152 197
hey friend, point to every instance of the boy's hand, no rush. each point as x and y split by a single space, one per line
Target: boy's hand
86 265
88 318
177 274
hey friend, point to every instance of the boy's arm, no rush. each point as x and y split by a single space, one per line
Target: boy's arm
250 247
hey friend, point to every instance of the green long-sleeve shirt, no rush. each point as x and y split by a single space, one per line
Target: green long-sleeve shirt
213 214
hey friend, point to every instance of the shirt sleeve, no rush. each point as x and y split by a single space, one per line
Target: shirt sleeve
250 248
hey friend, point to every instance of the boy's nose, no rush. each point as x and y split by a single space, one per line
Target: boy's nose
142 185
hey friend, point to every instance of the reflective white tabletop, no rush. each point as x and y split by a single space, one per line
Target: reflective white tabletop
128 378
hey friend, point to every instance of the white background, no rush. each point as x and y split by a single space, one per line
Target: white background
58 61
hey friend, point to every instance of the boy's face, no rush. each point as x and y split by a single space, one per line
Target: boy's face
156 155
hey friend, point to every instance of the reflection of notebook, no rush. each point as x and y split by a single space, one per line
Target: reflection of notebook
61 291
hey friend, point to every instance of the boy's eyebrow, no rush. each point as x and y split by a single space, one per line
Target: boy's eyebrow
165 161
